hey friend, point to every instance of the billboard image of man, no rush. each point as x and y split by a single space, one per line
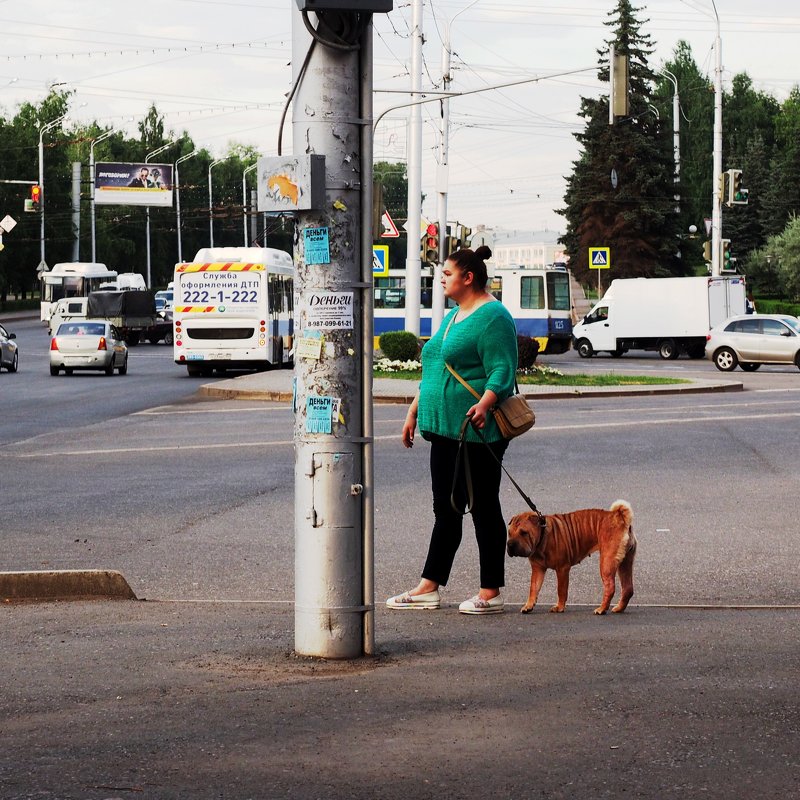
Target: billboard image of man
141 181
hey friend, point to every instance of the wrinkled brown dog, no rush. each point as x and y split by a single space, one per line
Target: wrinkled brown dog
567 539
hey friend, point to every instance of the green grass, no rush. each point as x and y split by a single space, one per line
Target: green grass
596 380
545 379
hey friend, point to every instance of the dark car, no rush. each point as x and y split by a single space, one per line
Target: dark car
9 352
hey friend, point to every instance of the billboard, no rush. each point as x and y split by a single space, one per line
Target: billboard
133 184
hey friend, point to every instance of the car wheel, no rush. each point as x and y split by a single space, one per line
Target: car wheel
54 371
725 359
585 349
797 359
168 338
110 368
123 370
749 366
669 350
153 340
68 370
14 365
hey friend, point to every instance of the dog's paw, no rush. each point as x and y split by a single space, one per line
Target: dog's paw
526 609
557 609
600 611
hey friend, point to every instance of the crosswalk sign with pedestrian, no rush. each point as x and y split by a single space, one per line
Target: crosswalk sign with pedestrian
600 258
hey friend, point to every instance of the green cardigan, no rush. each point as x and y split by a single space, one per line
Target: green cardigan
483 350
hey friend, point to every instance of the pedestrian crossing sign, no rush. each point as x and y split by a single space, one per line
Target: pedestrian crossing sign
380 260
600 258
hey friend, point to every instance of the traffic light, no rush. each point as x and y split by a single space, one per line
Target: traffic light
727 263
737 196
723 185
36 195
707 251
431 241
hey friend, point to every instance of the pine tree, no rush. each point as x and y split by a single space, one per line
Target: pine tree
637 219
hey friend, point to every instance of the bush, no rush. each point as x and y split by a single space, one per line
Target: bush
777 307
399 345
527 351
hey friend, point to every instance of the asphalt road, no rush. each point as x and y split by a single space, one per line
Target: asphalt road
197 694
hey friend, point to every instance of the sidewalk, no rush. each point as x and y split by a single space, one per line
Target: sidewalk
276 385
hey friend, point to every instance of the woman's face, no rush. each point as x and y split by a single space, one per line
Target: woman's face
457 284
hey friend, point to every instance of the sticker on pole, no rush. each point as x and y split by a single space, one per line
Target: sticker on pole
600 257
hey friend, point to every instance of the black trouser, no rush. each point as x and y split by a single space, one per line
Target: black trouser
487 516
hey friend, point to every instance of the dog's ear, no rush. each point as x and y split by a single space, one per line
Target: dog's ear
524 524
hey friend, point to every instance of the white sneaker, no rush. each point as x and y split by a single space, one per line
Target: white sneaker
477 605
429 600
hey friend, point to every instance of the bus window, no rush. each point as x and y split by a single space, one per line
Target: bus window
390 292
558 291
531 291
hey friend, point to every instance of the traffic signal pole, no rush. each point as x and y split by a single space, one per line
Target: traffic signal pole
331 117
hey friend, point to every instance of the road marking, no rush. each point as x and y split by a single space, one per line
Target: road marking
396 436
162 411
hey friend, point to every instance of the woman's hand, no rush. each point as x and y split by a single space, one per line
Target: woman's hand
409 427
477 413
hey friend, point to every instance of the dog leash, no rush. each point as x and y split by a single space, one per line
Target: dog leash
464 454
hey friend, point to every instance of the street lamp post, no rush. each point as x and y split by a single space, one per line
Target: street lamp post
210 202
244 200
95 141
178 200
147 210
46 127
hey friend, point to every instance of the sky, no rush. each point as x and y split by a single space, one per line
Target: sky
220 69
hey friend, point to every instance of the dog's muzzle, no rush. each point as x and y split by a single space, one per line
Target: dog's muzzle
516 547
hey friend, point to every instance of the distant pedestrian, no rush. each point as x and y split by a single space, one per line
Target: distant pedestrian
750 304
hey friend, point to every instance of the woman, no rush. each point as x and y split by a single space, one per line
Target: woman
479 341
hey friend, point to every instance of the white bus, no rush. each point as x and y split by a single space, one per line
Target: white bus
233 308
71 279
538 298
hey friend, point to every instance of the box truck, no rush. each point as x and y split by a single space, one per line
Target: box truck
670 315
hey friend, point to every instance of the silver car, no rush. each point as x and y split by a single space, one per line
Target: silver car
751 340
88 344
9 353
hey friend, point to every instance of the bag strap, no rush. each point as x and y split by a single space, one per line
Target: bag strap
468 476
462 453
462 381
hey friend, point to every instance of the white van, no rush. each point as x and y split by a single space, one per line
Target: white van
124 282
68 308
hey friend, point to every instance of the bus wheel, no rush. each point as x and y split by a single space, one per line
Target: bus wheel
585 348
193 370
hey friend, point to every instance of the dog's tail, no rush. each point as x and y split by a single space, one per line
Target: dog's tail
623 508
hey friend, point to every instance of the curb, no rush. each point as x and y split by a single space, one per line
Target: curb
69 584
279 396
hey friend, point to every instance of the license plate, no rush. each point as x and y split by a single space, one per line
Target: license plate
194 358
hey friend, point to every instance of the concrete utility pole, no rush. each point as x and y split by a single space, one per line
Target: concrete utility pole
46 127
178 201
244 201
443 176
92 209
716 194
331 116
76 210
413 226
147 210
676 135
